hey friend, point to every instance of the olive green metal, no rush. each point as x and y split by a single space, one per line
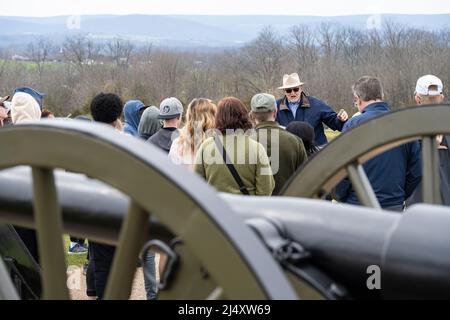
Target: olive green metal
364 142
132 237
304 289
216 294
138 170
430 180
362 186
7 289
191 280
49 234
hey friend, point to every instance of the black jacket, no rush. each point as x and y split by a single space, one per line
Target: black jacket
163 138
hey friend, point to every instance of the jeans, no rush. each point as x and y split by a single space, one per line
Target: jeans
102 256
90 276
29 238
77 240
148 267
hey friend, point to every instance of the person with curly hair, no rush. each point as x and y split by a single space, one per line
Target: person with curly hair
106 108
200 118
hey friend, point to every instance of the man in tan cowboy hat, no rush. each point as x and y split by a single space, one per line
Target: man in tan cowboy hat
297 106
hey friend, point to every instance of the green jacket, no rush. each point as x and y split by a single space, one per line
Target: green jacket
249 158
285 151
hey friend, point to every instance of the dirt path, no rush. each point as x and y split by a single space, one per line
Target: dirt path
78 285
137 291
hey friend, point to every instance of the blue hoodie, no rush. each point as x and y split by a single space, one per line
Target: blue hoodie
38 96
132 117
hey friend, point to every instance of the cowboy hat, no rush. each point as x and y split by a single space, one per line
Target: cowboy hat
291 81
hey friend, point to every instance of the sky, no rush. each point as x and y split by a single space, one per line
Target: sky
41 8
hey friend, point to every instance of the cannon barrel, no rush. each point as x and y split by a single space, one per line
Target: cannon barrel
90 208
411 250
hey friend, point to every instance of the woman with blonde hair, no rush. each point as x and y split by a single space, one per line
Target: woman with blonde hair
200 118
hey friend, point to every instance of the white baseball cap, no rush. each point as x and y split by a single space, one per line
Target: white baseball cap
424 83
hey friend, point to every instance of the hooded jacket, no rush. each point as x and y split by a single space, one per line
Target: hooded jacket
131 117
149 124
24 108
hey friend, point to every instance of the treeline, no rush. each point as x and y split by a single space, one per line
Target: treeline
329 58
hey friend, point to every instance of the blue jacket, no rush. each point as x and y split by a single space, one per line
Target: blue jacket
313 111
132 117
394 174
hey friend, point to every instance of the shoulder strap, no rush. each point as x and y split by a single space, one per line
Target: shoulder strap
230 166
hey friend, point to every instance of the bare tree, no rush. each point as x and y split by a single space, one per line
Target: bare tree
39 52
329 58
303 40
81 51
264 57
120 51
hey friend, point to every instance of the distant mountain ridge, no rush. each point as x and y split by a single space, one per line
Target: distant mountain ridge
188 30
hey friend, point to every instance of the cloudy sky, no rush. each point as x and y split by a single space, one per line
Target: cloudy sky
217 7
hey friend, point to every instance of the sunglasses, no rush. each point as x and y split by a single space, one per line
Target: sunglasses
290 90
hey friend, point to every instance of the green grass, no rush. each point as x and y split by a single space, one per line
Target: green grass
331 134
30 66
73 259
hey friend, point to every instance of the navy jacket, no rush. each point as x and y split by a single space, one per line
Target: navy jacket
394 174
313 111
444 173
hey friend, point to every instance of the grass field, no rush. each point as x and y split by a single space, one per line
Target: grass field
331 134
30 66
73 259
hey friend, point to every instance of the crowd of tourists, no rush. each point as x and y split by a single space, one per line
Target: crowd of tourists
250 150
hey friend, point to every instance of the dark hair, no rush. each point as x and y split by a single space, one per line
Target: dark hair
106 107
368 88
45 113
232 114
304 131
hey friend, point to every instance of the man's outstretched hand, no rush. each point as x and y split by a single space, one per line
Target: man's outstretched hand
342 115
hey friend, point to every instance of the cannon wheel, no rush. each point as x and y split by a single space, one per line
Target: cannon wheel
346 154
235 259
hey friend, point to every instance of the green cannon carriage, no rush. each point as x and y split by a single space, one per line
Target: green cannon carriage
126 192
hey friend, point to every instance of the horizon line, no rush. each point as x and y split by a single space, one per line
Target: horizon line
227 15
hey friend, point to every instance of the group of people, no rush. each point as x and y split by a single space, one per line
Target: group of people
254 152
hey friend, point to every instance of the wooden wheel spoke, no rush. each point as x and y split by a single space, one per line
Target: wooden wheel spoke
131 239
430 171
362 186
47 214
